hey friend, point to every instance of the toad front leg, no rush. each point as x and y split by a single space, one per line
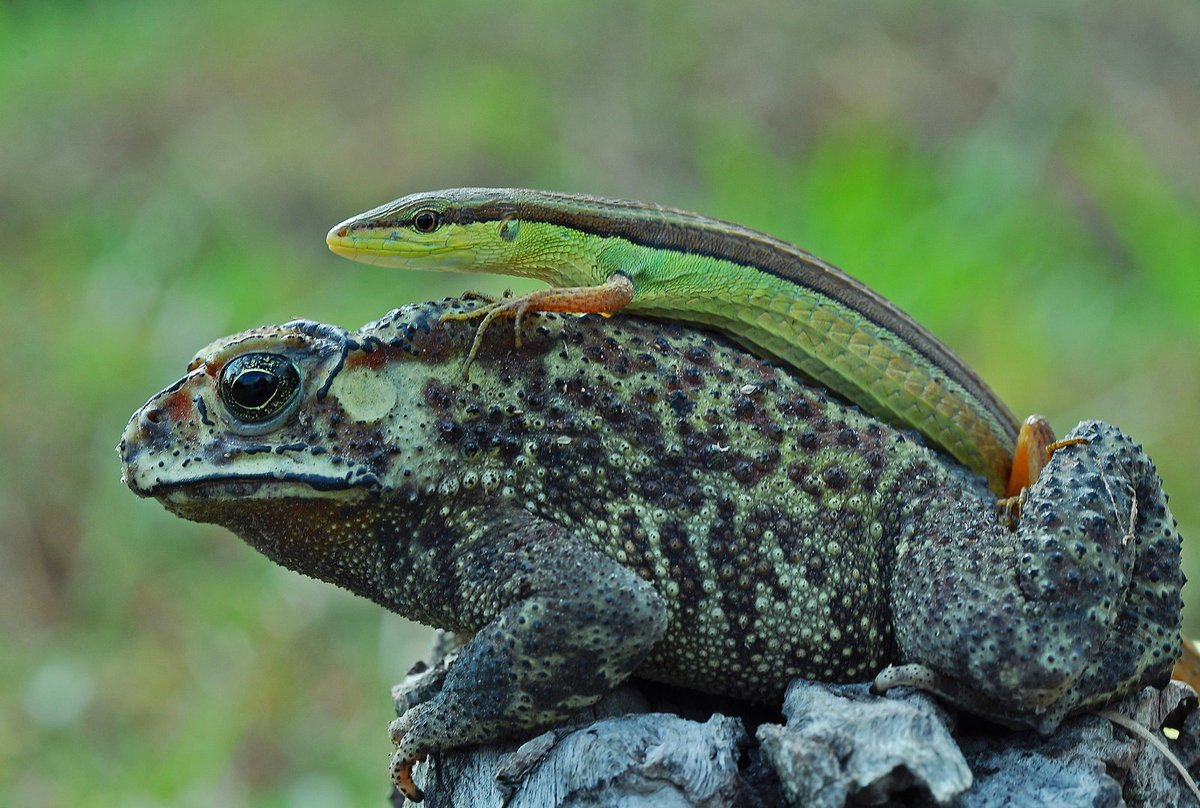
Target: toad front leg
562 626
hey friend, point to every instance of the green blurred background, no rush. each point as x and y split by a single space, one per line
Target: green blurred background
1022 179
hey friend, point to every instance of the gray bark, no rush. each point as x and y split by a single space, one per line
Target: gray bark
833 745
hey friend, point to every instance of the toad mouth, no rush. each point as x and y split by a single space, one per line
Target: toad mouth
248 486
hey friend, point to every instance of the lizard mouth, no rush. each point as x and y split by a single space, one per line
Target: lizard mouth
392 248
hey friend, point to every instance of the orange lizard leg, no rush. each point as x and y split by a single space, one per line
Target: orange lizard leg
1032 453
606 298
1035 446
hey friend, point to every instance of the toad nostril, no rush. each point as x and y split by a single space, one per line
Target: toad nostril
154 416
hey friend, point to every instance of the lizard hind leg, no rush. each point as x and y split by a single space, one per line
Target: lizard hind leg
1030 455
1035 446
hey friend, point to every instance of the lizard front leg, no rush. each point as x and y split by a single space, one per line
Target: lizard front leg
567 625
604 298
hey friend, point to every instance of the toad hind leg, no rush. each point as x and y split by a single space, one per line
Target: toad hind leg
1078 606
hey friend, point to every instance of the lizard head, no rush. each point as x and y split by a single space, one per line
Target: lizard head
533 234
460 229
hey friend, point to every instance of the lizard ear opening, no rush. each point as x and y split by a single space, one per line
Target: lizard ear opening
509 228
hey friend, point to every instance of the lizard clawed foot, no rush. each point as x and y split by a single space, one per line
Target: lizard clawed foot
1009 510
505 307
1059 444
604 298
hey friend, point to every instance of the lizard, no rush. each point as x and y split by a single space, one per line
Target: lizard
638 498
605 255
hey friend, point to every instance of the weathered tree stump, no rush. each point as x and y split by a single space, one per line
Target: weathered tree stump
832 745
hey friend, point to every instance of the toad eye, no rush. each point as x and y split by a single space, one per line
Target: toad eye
256 387
426 221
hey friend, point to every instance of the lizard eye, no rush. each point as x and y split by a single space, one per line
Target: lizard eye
256 387
426 221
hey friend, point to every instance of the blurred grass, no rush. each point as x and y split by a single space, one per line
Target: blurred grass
1022 179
